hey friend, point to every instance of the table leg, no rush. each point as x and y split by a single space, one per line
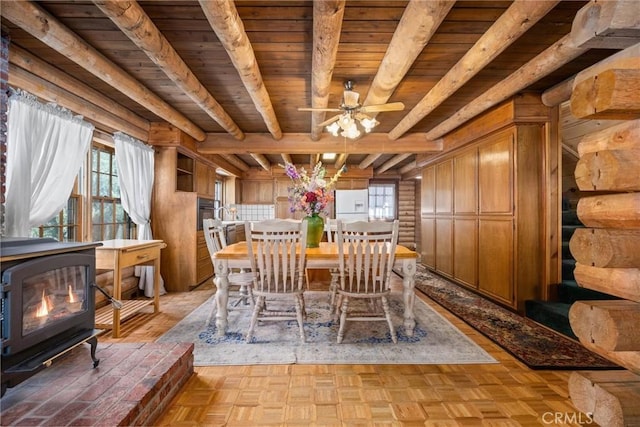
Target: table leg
156 285
222 295
117 294
408 294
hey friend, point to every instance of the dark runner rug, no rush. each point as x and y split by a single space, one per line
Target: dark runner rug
531 343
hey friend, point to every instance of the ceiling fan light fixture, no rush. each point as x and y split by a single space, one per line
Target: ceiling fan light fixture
352 132
353 118
333 128
368 123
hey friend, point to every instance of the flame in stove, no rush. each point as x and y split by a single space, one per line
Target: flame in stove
72 295
44 307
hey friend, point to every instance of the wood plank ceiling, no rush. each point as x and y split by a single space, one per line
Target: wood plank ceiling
233 74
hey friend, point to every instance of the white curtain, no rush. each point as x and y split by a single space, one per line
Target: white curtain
46 146
135 172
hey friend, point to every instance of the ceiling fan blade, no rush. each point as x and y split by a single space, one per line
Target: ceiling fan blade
318 109
392 106
329 121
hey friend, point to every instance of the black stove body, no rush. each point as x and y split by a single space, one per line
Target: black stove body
48 304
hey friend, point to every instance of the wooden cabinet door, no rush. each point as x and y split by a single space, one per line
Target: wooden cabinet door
352 184
465 191
257 191
444 246
359 184
444 187
202 179
465 251
495 250
428 191
428 242
204 266
495 174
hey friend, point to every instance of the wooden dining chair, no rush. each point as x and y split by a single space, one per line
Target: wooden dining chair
331 227
366 255
278 260
240 281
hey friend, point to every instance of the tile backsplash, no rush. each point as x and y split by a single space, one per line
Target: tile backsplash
255 212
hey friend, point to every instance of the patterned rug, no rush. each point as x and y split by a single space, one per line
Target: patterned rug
534 345
435 339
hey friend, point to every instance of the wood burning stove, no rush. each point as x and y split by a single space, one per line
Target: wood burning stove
48 304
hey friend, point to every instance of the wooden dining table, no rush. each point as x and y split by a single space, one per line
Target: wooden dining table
326 256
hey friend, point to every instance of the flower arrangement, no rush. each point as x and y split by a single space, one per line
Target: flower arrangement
310 194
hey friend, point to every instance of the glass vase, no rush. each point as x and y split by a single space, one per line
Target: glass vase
315 228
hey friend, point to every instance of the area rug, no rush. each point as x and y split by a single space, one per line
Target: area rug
533 344
435 339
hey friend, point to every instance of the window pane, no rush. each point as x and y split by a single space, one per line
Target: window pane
96 212
107 208
382 201
108 213
120 213
94 183
115 187
105 162
94 159
96 233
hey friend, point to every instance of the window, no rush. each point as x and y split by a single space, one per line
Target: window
383 200
108 218
217 193
65 227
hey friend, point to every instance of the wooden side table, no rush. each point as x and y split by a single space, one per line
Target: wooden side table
116 255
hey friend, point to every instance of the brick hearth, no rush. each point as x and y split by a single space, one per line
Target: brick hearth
133 385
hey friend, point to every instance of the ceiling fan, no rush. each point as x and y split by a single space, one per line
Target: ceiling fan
352 112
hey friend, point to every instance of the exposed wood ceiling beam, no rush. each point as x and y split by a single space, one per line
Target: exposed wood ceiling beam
262 161
40 68
235 161
410 171
314 159
419 22
514 22
369 160
408 167
101 118
223 18
341 160
558 94
222 163
299 143
552 58
106 119
132 20
39 23
286 158
327 25
392 162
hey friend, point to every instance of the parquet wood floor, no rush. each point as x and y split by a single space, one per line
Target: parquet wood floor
503 394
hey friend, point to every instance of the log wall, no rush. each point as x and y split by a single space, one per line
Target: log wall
407 213
608 249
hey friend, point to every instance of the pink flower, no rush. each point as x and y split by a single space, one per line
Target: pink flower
310 194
